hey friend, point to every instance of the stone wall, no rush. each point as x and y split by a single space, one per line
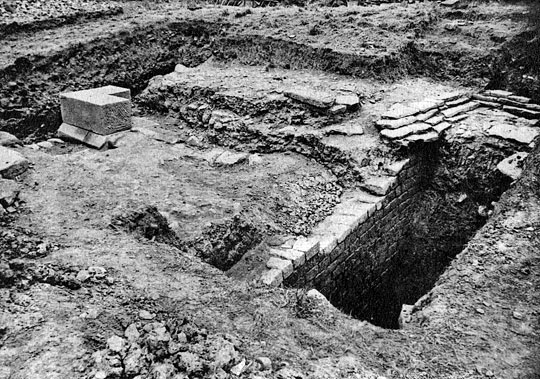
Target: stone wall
348 255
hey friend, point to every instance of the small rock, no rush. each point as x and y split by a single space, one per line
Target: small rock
254 159
517 315
193 141
132 333
145 315
97 271
230 158
225 355
82 276
116 343
45 144
480 310
12 163
9 140
56 141
239 368
265 363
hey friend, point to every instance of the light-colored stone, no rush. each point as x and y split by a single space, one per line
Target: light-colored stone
457 118
439 128
264 362
350 101
498 93
365 197
45 144
379 185
12 163
9 191
273 277
513 165
145 315
404 131
426 115
435 120
425 105
327 242
180 68
230 158
347 129
521 134
361 211
520 99
317 99
426 137
9 140
394 124
98 141
451 112
395 168
397 111
116 344
337 109
255 159
309 246
284 265
298 258
449 96
458 101
490 99
102 110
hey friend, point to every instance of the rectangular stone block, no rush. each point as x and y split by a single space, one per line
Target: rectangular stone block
103 110
296 257
309 246
284 265
273 277
74 133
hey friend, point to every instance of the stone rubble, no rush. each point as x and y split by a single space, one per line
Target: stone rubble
425 121
513 165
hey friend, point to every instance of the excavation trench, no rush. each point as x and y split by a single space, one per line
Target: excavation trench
396 256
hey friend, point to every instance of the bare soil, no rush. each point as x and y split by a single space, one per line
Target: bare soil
100 236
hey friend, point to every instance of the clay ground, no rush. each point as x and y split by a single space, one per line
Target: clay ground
77 207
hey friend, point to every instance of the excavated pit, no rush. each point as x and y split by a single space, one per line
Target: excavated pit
447 214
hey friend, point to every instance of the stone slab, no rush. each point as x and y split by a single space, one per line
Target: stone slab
426 137
309 246
404 131
350 101
328 242
379 185
12 163
435 120
458 101
229 158
520 99
451 112
394 124
457 118
498 93
361 211
284 265
98 141
297 257
425 105
439 128
103 110
513 165
399 111
427 115
520 134
522 112
317 99
337 109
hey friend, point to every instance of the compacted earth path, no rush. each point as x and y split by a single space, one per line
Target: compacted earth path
305 192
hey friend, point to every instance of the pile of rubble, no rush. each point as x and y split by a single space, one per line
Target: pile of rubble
426 120
175 348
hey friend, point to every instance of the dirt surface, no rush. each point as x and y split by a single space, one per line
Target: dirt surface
112 262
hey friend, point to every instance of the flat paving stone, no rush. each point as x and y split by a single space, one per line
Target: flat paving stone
379 185
397 111
521 134
318 99
394 124
404 131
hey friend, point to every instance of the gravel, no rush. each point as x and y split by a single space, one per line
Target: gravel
28 11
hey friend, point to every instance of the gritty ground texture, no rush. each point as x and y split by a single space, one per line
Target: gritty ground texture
142 261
